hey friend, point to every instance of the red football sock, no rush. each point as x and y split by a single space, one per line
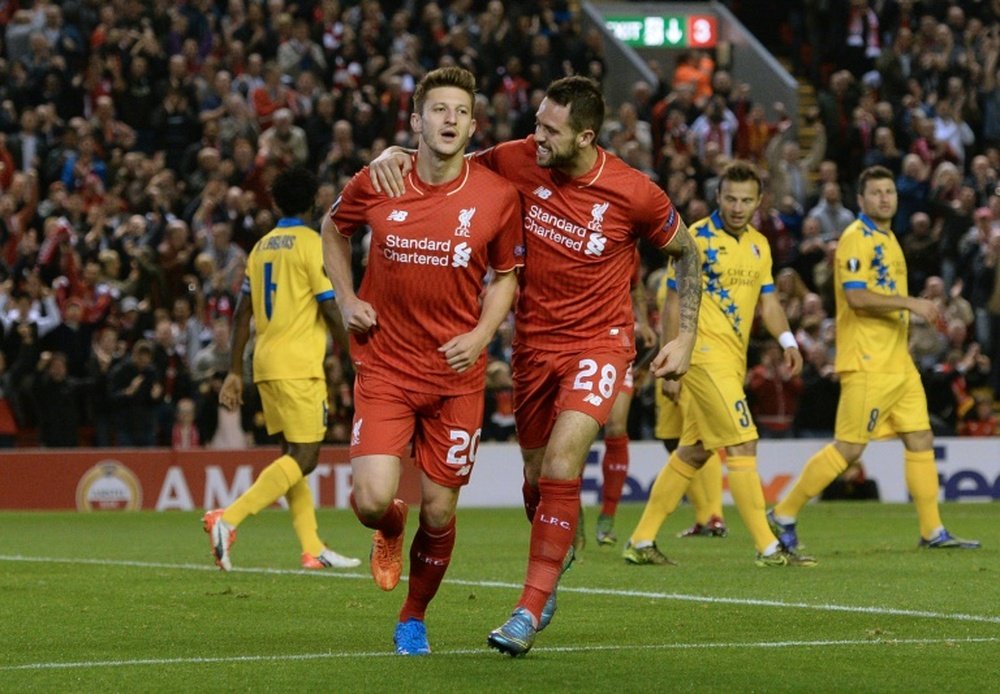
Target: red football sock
615 469
552 534
531 495
430 554
391 523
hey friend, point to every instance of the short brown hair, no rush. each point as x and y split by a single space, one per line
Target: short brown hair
873 173
740 171
584 98
444 77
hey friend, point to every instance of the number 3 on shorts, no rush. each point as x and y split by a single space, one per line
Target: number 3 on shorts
605 386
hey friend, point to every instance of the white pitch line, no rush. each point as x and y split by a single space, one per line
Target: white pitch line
482 651
751 602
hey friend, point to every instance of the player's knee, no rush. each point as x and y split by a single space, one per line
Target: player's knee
369 505
306 455
919 440
436 515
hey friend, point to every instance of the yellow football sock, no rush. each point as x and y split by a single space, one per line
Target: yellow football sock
705 490
820 470
303 510
273 483
667 492
744 485
922 482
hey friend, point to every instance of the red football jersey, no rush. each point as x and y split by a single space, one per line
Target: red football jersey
430 251
580 237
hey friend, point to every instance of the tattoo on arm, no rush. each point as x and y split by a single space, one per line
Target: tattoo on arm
688 280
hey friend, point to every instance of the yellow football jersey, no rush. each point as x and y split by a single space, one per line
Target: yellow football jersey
869 258
734 273
286 281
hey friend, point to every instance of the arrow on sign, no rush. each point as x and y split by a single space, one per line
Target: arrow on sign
674 33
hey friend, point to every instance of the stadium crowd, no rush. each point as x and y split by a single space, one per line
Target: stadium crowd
138 141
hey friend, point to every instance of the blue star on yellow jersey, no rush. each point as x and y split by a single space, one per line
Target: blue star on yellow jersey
869 258
736 270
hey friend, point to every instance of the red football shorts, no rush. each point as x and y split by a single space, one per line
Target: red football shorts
546 383
444 429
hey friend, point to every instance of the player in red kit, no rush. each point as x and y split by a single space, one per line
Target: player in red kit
418 332
583 212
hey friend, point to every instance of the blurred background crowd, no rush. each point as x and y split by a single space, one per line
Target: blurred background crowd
138 139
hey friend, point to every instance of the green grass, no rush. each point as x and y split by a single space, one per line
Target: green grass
130 602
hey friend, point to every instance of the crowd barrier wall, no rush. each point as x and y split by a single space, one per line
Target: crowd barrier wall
166 480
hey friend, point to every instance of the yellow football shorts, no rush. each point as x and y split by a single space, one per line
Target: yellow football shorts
295 408
668 416
714 407
880 405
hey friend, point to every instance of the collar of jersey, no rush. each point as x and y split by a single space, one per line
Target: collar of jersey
869 225
450 188
717 222
290 222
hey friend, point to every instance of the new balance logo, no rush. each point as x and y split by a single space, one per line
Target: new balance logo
397 216
543 192
462 255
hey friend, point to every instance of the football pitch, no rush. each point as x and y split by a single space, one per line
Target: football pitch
132 602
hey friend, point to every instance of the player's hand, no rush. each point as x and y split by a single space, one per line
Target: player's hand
645 335
462 351
231 395
359 316
674 358
793 361
389 169
926 309
672 389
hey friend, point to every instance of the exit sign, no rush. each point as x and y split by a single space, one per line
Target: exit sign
683 31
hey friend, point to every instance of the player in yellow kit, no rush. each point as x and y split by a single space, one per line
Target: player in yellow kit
880 389
736 273
292 302
705 490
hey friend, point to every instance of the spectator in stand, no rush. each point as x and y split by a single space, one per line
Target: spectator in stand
774 392
717 125
106 353
836 103
913 190
695 68
884 152
821 390
214 356
952 132
284 140
790 172
135 391
981 420
810 252
184 433
921 248
57 402
172 371
71 339
830 211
